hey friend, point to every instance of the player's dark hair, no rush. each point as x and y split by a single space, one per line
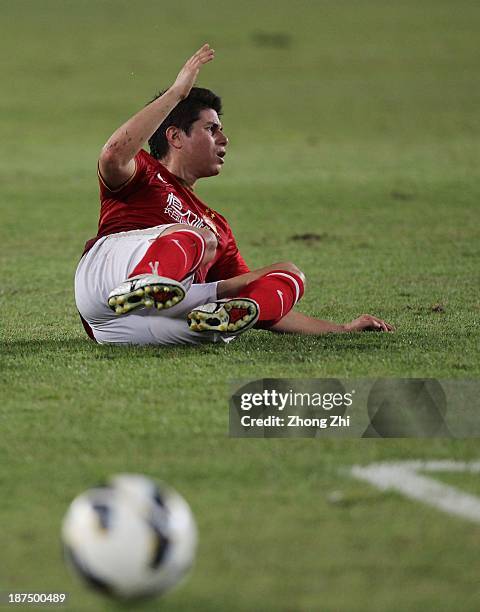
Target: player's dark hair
183 116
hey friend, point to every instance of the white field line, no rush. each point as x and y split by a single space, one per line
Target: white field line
404 478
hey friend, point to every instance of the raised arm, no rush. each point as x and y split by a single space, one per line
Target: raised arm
116 162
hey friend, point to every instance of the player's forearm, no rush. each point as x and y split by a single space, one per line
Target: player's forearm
128 139
298 323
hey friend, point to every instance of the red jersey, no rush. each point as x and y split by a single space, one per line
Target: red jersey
154 196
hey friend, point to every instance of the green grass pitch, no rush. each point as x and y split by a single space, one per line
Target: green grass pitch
353 121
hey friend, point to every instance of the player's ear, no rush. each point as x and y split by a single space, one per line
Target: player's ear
174 137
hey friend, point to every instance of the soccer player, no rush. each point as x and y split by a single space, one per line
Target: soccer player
164 268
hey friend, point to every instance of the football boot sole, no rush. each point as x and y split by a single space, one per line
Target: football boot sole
230 317
145 291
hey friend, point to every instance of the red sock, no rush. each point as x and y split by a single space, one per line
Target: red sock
175 255
276 293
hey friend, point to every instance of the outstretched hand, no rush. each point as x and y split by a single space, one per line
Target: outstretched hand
368 323
188 74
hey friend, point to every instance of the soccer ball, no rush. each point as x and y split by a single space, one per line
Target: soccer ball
131 537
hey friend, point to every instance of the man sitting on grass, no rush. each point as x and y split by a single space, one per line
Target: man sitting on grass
164 268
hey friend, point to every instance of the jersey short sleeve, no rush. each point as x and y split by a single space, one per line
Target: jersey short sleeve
135 182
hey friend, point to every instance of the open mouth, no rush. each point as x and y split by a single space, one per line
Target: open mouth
220 157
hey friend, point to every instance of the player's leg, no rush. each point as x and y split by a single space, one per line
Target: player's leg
178 252
232 286
164 328
276 293
260 298
156 280
109 262
113 258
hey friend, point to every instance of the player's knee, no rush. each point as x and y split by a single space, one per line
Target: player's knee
289 266
211 244
209 238
211 241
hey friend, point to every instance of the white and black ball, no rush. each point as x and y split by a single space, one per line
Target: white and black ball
131 537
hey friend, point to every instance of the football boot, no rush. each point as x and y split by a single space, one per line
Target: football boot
230 316
145 291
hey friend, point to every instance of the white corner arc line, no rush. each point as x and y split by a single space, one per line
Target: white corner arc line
404 478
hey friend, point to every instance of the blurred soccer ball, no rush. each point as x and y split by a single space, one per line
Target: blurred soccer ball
131 537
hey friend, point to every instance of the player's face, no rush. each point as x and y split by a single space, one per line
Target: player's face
205 146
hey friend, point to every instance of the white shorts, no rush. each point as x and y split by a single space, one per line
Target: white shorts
108 263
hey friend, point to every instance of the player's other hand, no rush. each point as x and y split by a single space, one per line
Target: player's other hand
368 323
188 74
